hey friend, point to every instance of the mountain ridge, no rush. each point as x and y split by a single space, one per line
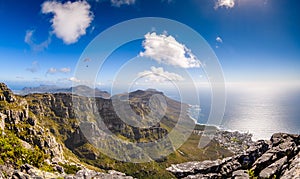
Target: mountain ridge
79 90
47 124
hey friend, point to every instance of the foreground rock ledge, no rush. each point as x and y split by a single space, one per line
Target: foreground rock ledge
277 158
28 172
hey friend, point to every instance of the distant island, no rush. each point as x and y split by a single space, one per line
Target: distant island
42 138
80 90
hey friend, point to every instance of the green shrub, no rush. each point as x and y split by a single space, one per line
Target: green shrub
252 174
12 151
70 169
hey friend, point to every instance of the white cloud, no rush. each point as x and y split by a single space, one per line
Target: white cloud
55 70
35 67
33 45
219 39
118 3
51 71
74 79
70 19
65 70
159 75
225 3
165 49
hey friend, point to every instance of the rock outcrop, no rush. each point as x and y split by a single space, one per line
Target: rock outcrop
2 121
14 111
278 157
27 172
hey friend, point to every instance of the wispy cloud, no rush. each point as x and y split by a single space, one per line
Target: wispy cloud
35 67
159 75
65 70
225 3
53 70
74 80
118 3
70 19
33 45
167 50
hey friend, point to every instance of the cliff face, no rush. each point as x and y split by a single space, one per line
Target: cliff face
16 116
54 122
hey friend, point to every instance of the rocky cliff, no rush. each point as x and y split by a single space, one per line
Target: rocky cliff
276 158
34 130
51 124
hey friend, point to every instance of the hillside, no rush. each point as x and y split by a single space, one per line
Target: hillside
51 124
60 135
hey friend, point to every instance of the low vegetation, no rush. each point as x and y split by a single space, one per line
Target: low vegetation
13 152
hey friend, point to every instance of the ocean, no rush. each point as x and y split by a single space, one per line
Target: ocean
261 112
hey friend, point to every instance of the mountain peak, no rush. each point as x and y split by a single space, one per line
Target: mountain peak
6 94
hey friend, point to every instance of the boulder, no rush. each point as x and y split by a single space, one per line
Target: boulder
193 168
293 171
273 169
240 174
267 159
20 175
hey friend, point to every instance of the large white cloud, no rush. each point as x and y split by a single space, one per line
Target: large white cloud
70 19
165 49
159 75
119 3
225 3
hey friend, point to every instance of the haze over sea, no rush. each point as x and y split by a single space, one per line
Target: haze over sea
261 112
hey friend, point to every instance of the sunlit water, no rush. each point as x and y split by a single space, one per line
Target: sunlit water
260 112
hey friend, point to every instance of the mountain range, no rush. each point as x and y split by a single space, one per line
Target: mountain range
52 135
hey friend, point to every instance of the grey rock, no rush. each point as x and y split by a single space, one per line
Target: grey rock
273 169
204 176
20 175
229 167
293 172
88 174
2 175
26 167
2 121
59 168
114 172
193 168
240 174
266 158
31 121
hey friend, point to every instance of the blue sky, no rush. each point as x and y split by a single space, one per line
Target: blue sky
256 41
